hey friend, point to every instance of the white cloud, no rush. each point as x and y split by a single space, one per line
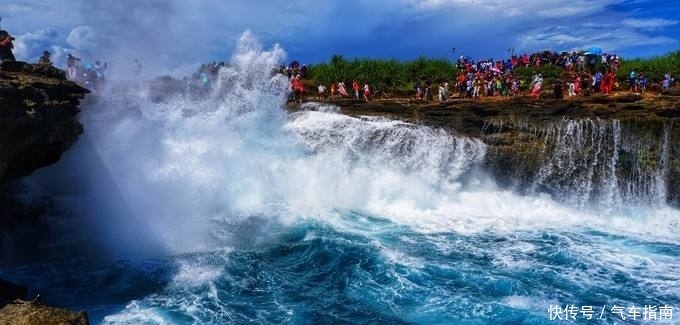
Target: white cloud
30 46
549 24
650 23
84 37
544 8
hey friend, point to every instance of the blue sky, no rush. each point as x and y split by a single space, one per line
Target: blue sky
170 36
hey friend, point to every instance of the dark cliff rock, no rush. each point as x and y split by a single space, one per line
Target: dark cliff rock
577 148
21 312
38 117
10 292
38 122
15 310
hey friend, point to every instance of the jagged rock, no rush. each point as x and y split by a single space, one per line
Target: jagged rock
10 292
22 312
38 117
38 122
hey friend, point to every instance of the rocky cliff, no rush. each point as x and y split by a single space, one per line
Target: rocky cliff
38 117
596 149
38 122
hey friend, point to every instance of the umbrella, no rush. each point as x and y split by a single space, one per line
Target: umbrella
593 51
494 69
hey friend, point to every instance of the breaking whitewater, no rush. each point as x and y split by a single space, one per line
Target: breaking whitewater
229 210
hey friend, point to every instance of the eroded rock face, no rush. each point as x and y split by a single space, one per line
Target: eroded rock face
38 122
21 312
10 292
38 117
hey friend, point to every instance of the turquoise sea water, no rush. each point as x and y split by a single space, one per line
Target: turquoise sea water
360 269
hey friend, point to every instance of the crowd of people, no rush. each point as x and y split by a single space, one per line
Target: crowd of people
582 73
90 76
296 73
335 90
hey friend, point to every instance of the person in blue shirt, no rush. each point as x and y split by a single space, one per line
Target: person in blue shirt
632 80
667 80
597 81
642 83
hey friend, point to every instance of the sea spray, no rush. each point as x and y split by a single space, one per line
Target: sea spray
191 169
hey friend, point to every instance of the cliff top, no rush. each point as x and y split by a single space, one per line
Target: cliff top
38 117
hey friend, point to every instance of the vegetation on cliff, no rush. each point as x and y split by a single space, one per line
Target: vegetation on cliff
393 77
654 67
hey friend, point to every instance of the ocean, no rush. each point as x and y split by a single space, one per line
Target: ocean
227 209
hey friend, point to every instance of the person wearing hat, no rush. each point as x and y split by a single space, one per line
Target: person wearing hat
6 46
45 59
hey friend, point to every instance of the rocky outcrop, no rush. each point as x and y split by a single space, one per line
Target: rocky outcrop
38 117
38 122
617 148
10 292
21 312
17 311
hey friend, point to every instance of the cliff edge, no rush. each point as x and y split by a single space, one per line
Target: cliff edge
38 117
38 122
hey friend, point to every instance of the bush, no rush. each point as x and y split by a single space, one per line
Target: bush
654 68
385 77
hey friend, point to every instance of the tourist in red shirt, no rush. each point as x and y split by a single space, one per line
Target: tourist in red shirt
356 87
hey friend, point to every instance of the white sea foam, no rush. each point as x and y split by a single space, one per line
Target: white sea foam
136 313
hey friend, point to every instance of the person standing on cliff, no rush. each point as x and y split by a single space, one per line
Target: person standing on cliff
667 81
71 66
342 90
136 68
356 87
608 82
536 86
577 85
558 89
6 46
641 83
632 80
416 86
322 91
45 60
